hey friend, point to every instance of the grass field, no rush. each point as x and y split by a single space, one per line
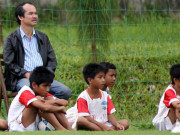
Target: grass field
128 132
142 53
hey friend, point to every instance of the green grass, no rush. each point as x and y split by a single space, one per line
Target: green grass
142 52
128 132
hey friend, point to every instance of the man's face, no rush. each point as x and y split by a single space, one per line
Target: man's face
110 77
30 16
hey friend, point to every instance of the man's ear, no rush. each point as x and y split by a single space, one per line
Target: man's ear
20 17
34 85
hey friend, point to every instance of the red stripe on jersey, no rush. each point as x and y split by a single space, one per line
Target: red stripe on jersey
110 105
82 106
49 95
25 97
169 94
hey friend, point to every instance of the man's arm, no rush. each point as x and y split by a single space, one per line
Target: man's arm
51 58
9 58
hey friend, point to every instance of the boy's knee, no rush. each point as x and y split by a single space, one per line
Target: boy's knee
3 124
81 120
126 124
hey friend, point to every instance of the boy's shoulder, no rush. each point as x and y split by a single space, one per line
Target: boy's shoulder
170 87
83 93
26 88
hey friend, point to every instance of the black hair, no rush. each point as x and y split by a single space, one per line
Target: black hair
175 72
107 66
91 70
40 75
19 11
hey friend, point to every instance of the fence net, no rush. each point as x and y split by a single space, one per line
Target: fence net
140 37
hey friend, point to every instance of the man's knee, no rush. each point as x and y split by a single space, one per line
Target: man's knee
21 83
67 93
63 93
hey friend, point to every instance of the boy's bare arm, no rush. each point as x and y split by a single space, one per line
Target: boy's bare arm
57 102
113 121
176 104
47 107
102 126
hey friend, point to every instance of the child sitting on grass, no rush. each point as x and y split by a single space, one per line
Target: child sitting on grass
110 79
110 75
95 108
168 116
3 124
34 101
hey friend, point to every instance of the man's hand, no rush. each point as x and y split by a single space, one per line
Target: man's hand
27 75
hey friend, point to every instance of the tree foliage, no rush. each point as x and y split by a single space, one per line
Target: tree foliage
93 18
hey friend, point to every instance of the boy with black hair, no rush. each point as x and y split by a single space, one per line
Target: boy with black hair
110 75
168 116
34 101
95 108
110 78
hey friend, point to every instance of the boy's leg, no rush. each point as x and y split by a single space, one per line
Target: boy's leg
3 124
63 120
51 118
125 123
83 123
60 118
29 116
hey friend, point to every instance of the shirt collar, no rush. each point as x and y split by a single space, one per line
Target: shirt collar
23 34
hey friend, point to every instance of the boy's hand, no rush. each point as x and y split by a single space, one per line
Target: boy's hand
120 127
61 102
40 98
62 109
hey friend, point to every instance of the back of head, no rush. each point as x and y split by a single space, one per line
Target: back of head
107 66
40 75
19 11
175 72
91 70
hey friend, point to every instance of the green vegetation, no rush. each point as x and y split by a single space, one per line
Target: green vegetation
128 132
142 51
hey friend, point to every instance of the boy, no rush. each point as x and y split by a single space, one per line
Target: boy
95 108
3 124
168 115
110 75
110 78
34 101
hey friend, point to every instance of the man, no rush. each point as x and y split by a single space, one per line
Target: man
27 48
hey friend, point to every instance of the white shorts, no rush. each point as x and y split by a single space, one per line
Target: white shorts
72 116
18 126
164 124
